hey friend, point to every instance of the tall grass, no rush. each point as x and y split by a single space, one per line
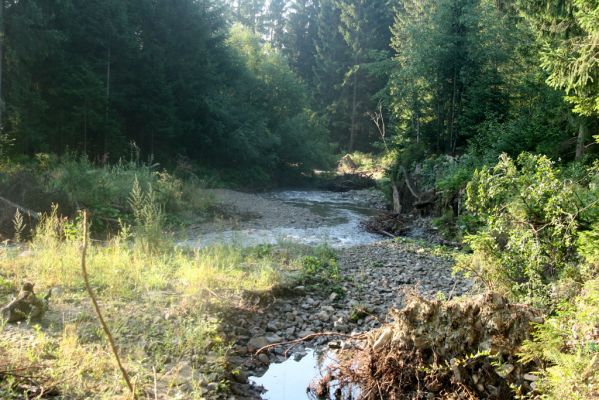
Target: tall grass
154 296
105 189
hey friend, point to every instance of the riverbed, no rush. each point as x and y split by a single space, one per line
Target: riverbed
375 273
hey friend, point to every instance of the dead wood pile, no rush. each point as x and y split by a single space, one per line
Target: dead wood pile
459 349
389 224
349 181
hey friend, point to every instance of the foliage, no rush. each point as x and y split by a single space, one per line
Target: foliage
292 136
106 190
447 75
568 344
531 221
321 268
568 31
165 76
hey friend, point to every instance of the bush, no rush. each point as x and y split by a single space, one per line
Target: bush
568 344
528 247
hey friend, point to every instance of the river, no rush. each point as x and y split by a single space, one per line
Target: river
334 219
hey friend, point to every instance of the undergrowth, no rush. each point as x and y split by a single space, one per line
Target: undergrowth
568 346
158 298
107 190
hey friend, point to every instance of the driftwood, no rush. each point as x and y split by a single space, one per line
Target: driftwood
347 182
422 200
388 224
27 211
293 343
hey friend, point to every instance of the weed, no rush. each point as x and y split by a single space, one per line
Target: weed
19 225
155 298
358 312
321 267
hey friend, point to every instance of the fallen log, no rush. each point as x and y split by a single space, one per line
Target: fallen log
27 211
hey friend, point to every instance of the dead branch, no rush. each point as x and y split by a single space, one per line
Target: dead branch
379 121
30 213
293 343
97 309
408 184
385 233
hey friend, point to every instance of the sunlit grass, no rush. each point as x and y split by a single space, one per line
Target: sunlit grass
155 295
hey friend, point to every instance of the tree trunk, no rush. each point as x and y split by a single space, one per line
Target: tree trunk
396 199
354 111
108 59
583 132
452 139
1 63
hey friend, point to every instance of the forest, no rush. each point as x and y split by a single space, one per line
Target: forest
245 175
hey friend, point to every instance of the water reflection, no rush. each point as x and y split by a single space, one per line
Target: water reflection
291 380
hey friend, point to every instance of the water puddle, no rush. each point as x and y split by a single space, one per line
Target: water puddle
291 380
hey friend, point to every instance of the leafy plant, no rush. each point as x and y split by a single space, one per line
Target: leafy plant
531 220
19 225
148 217
567 344
321 267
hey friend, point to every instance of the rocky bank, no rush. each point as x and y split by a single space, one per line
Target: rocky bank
374 281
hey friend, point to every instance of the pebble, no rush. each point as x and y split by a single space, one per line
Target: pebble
263 358
374 279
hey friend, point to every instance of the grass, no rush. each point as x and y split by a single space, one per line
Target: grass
160 302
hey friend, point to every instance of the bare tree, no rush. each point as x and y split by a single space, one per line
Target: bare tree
379 121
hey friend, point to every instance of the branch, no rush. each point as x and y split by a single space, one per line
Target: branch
30 213
405 173
97 309
360 336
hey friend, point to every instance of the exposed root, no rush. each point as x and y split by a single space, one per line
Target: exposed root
27 381
312 336
459 349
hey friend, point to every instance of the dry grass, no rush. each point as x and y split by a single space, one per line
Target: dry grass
158 303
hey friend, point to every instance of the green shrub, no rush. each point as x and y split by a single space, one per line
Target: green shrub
568 345
531 222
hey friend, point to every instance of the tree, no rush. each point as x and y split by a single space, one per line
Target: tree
453 65
299 37
274 21
332 60
365 29
568 31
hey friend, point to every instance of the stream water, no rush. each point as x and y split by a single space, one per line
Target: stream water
341 226
341 216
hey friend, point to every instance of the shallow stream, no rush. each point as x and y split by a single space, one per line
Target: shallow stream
342 217
291 380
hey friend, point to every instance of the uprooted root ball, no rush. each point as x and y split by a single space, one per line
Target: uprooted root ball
459 349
